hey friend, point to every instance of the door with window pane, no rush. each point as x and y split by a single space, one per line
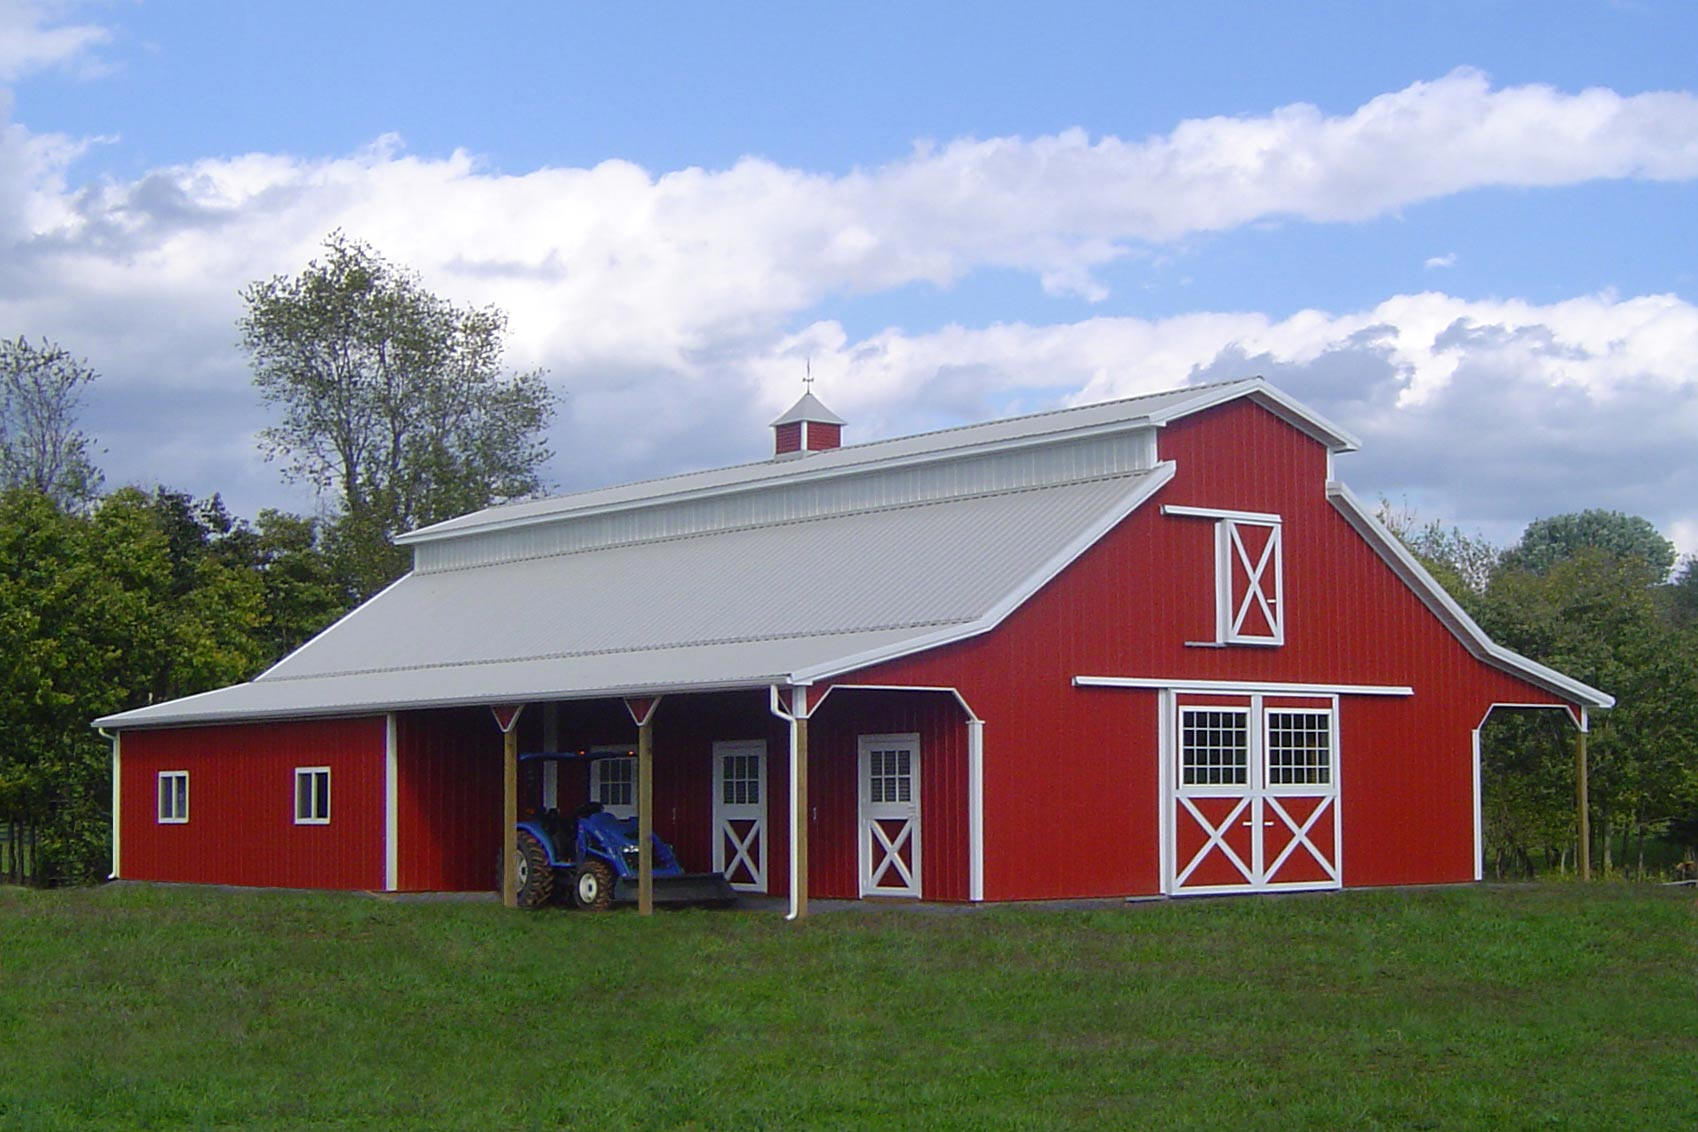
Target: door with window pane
889 826
739 814
1255 797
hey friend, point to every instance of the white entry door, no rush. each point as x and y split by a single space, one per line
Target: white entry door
890 815
739 814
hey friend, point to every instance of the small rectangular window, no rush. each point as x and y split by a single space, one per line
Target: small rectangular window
312 795
173 797
890 776
1299 748
1214 747
613 783
740 780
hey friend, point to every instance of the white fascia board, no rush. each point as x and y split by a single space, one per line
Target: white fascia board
815 469
1455 618
138 719
1149 483
1335 438
1241 687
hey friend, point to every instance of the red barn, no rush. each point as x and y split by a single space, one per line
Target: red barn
1143 647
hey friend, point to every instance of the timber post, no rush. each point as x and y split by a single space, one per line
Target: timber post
507 718
645 816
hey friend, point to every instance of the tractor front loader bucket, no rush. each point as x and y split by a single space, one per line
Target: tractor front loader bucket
689 888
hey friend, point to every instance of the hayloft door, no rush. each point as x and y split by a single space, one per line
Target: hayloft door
739 814
890 815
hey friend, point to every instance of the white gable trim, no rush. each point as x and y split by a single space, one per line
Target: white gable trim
1242 687
1147 486
1444 607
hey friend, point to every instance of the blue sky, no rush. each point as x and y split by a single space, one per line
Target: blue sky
1464 231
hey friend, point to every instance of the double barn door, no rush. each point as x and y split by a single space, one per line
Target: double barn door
1253 800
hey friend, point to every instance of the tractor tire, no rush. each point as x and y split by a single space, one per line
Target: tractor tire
533 879
592 887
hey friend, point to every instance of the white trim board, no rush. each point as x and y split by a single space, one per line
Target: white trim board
1242 687
1452 615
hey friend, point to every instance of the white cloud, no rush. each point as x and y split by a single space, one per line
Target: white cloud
34 36
668 305
1440 261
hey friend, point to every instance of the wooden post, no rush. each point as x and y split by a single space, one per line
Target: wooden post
645 815
507 718
799 800
1582 799
509 814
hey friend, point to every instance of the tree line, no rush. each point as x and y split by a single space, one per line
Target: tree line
1596 595
391 402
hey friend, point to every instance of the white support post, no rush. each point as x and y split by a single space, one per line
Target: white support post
976 810
1479 814
391 806
117 802
798 804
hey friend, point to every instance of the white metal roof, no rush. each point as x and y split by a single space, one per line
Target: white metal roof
1149 409
809 409
741 607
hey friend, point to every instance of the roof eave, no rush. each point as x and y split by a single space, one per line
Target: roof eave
1433 595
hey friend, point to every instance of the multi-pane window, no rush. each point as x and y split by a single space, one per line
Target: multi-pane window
1299 748
613 783
1214 747
173 797
312 795
890 776
740 780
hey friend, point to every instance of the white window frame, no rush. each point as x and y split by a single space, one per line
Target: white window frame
1267 570
168 815
1303 788
601 757
311 816
1231 609
1246 724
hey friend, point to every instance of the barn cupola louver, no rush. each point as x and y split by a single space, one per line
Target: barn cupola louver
808 427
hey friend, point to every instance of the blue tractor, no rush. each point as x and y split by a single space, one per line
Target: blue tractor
592 855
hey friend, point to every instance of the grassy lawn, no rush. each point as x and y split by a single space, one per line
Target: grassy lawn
1523 1006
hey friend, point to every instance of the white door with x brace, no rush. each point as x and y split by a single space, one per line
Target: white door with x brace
739 814
1255 797
890 815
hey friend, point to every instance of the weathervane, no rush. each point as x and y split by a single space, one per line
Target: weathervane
808 379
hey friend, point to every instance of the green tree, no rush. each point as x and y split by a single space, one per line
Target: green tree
1560 537
392 400
99 613
1597 615
41 393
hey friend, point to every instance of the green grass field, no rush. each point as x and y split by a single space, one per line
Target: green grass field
1504 1007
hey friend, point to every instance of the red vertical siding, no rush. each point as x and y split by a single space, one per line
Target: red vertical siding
834 794
448 800
1085 761
787 438
241 827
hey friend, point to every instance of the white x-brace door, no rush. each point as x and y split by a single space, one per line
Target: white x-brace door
1254 803
739 814
889 826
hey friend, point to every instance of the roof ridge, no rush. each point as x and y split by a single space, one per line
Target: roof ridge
494 513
